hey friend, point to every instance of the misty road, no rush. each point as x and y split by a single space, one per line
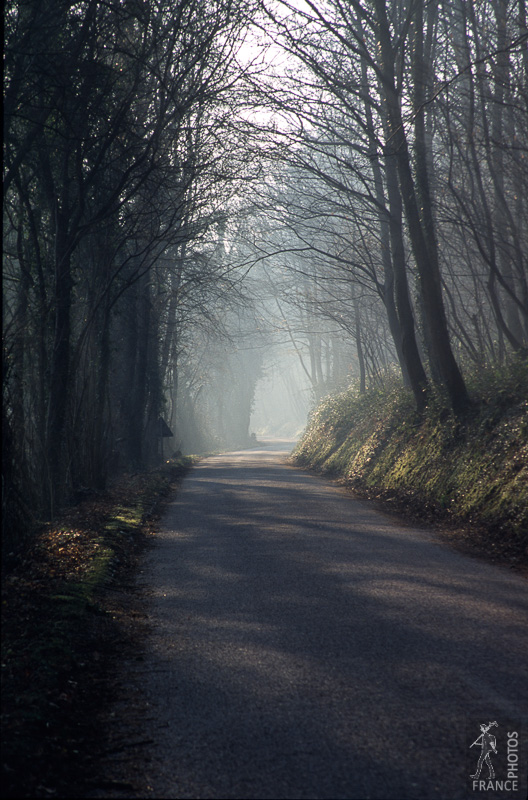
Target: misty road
303 645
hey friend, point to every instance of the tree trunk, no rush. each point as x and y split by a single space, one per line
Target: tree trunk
59 383
360 353
504 223
421 229
409 345
387 252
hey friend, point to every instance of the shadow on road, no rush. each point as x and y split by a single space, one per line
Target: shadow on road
303 646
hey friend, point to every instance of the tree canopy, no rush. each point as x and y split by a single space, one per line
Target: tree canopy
186 184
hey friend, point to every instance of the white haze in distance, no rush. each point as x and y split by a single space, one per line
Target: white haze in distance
282 398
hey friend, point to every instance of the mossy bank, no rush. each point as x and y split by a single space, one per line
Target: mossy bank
470 471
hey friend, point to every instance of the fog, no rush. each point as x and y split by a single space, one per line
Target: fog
282 397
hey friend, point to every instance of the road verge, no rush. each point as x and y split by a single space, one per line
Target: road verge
469 474
63 627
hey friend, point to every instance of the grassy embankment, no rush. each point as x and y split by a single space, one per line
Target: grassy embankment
470 472
64 622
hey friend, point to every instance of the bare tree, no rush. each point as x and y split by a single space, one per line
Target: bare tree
115 155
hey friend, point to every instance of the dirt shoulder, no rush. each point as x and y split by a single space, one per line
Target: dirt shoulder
487 543
71 611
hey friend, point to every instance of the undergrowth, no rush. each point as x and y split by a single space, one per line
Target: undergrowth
471 470
56 626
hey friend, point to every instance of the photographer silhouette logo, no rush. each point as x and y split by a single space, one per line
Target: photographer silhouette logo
506 758
488 743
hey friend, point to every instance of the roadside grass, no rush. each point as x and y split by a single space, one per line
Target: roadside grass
58 627
469 472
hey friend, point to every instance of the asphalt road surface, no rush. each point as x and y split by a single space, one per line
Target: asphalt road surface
304 645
